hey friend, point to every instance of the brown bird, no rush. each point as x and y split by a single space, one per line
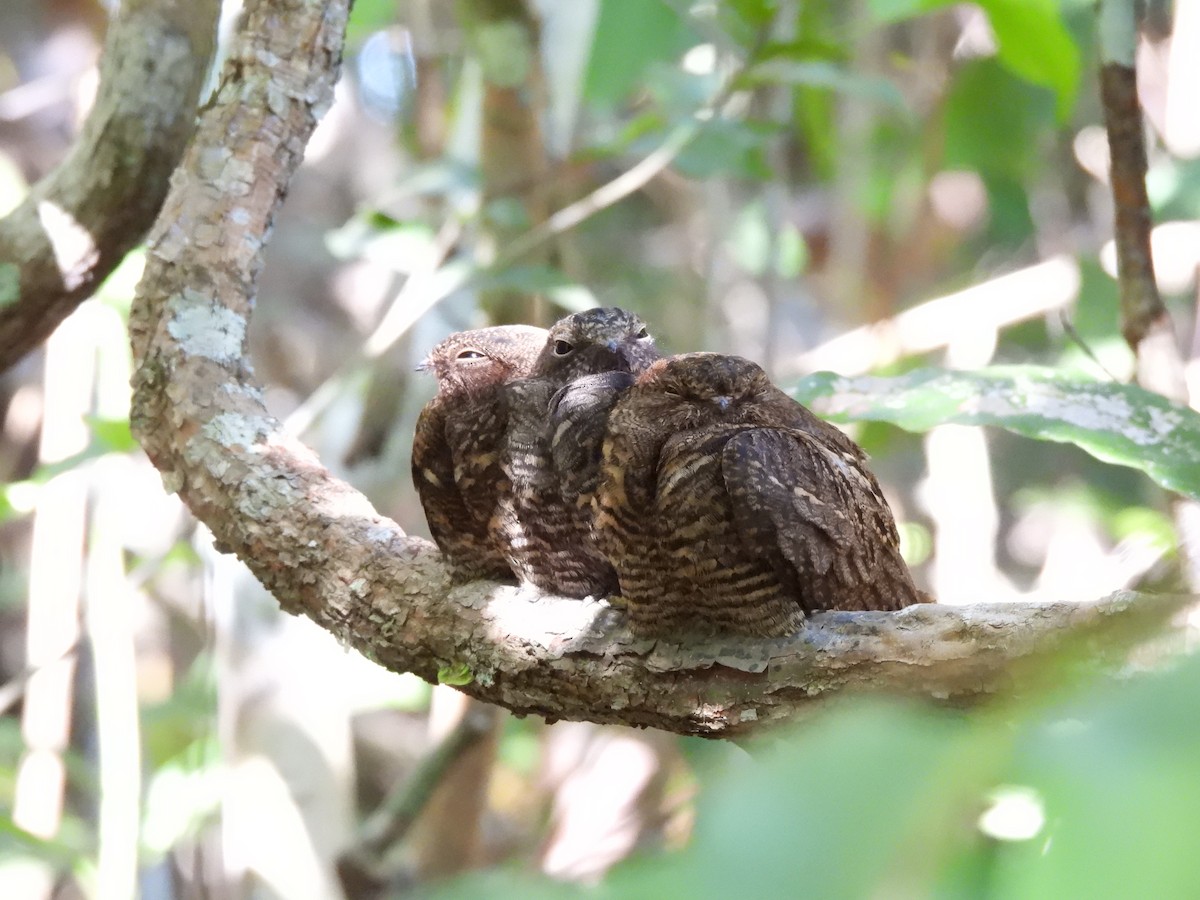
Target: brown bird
729 508
455 459
548 531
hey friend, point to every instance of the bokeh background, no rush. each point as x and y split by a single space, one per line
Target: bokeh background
862 187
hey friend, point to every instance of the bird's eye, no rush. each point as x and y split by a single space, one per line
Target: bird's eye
562 348
469 354
642 333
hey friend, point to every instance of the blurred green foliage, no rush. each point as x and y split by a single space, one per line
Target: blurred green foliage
1091 793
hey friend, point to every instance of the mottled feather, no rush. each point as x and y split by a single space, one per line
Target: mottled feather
548 529
727 507
578 422
456 446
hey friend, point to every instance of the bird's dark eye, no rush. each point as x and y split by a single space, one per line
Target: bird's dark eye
562 348
642 333
469 354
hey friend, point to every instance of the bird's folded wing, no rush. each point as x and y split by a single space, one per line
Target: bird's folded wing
578 422
810 510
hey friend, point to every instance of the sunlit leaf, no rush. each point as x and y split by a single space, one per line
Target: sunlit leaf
455 674
755 12
1117 423
112 435
118 288
1036 45
368 16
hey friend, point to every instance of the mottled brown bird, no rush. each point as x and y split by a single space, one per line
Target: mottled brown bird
548 531
729 508
455 460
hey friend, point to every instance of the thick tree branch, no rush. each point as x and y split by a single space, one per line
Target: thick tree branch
323 551
81 220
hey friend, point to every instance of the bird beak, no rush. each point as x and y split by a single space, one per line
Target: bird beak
424 365
723 402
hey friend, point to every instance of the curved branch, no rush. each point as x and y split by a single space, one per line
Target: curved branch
322 549
79 221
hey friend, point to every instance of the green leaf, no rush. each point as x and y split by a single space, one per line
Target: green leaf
630 35
455 674
1031 39
118 288
1005 142
831 809
111 435
1116 772
10 284
367 17
1116 423
1036 45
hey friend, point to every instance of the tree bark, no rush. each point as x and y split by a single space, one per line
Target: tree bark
81 220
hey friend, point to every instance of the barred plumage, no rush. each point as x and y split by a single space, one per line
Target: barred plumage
455 462
728 508
547 528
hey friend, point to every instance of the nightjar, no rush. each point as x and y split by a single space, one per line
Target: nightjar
456 447
727 507
547 526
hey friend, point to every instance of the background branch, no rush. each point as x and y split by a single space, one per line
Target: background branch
1145 322
81 220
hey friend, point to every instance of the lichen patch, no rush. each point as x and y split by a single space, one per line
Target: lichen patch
203 328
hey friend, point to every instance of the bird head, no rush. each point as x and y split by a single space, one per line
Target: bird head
605 339
468 361
694 389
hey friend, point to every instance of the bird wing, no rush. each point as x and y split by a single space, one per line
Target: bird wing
433 475
578 422
474 435
815 512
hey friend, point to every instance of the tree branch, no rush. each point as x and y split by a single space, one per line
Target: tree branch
81 220
367 867
1145 322
322 549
